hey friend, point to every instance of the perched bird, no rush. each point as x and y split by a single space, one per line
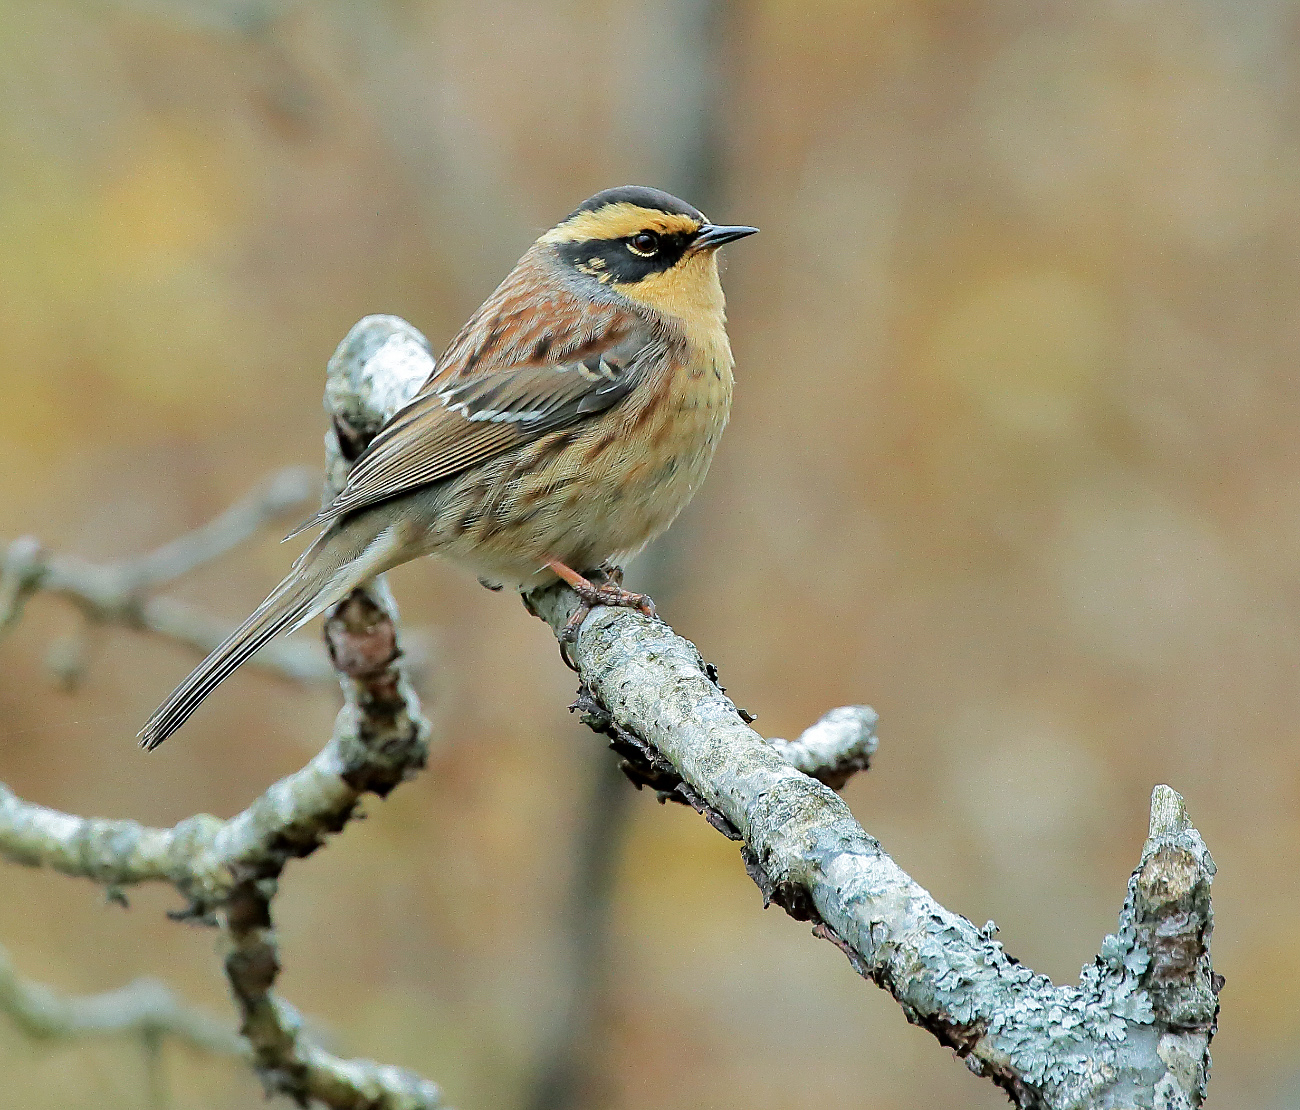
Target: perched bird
567 424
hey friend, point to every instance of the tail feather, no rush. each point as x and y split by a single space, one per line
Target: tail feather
337 562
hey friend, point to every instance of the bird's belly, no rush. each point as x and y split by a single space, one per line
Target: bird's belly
632 496
582 497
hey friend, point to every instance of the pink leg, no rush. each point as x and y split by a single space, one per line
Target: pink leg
592 595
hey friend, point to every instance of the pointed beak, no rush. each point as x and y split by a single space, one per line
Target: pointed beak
712 236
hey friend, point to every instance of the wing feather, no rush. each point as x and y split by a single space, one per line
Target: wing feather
479 403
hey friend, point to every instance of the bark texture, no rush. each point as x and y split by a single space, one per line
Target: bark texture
228 870
1133 1032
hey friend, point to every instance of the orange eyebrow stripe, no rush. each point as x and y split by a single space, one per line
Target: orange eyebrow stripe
614 221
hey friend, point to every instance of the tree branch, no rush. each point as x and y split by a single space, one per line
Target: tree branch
120 593
228 870
380 737
1136 1029
144 1008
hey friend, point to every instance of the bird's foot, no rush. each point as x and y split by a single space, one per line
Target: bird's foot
591 595
610 594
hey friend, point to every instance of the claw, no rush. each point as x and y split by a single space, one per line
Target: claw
611 592
569 633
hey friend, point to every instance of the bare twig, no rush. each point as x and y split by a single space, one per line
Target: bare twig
377 742
290 488
121 593
382 738
834 749
143 1008
228 870
1136 1027
288 1061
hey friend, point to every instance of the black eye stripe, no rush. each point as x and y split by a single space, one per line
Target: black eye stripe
619 258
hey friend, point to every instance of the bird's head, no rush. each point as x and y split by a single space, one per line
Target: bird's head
648 246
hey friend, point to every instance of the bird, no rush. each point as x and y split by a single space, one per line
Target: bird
563 428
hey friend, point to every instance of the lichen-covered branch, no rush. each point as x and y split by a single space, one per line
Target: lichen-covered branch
117 852
122 593
288 1061
228 870
834 749
1135 1031
380 738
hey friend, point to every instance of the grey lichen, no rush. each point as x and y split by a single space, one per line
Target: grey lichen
228 870
836 747
1103 1043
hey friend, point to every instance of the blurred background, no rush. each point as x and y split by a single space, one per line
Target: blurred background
1013 459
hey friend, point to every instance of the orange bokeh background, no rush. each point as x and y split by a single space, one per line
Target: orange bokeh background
1013 459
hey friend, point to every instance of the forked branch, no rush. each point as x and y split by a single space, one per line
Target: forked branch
228 870
1136 1028
125 593
1134 1031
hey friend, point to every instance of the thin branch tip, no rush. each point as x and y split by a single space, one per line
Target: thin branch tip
125 593
143 1008
1168 814
841 743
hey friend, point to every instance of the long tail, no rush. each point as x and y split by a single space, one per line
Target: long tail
341 559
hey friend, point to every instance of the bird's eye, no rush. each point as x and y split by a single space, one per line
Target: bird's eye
645 244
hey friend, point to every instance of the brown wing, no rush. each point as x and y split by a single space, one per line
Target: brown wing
516 372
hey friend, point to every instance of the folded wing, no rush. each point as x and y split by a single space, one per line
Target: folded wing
459 420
